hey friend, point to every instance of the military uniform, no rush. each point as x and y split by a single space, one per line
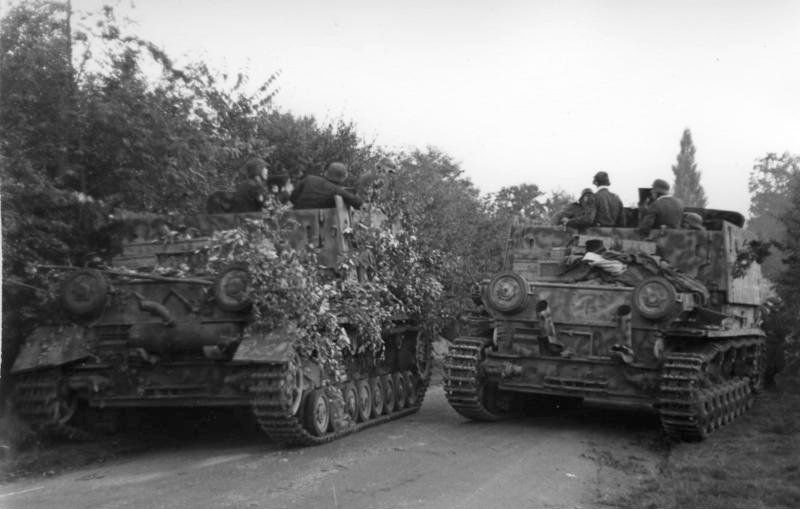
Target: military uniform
249 196
609 210
315 192
664 211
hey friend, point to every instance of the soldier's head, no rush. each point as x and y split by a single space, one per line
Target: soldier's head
660 188
336 172
386 165
255 168
601 179
586 195
692 221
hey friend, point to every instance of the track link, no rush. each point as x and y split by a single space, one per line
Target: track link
271 409
695 401
463 384
39 401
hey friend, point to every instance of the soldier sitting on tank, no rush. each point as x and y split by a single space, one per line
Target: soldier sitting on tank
249 195
578 215
315 192
663 211
608 206
692 221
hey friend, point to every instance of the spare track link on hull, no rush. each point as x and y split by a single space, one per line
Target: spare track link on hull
691 405
38 402
462 384
269 406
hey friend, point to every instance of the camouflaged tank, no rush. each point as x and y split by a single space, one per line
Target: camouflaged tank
669 323
137 339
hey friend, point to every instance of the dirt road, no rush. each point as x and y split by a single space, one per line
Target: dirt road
434 459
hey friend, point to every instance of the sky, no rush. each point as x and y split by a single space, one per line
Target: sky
543 92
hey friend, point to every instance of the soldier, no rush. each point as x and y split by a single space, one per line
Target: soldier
373 182
314 192
663 210
249 195
579 214
608 205
692 221
251 192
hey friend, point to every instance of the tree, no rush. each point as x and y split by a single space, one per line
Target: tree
775 208
770 186
687 179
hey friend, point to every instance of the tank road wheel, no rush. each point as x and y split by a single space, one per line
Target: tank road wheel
389 399
465 387
364 400
318 413
400 390
376 385
350 395
411 389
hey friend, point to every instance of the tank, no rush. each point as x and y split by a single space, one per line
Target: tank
126 337
669 323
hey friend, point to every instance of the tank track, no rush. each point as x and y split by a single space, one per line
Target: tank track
462 385
694 402
36 400
269 404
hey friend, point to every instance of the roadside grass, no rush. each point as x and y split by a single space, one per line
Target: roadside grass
752 463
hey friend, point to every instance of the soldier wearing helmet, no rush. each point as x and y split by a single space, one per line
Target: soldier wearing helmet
608 205
692 221
663 211
251 192
579 214
315 192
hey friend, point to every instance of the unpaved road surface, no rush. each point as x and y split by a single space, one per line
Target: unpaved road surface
584 457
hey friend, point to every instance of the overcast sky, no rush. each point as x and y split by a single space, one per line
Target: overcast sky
546 92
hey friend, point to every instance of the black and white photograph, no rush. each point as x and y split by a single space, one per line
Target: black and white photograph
400 254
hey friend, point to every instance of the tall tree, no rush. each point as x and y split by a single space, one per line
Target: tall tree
687 178
770 187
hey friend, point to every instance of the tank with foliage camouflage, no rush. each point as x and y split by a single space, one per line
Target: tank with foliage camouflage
669 323
222 311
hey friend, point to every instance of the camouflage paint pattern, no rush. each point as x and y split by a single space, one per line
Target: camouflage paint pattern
593 318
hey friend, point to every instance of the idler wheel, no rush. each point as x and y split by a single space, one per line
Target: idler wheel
318 413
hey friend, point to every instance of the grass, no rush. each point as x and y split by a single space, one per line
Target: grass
753 462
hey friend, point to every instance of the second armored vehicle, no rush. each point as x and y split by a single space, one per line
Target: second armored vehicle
669 322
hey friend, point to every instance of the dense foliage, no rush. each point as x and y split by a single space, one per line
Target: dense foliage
775 208
94 119
385 277
687 178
